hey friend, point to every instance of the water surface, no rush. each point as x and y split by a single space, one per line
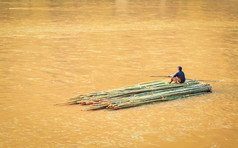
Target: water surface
53 50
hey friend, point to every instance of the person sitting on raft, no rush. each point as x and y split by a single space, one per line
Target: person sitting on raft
179 77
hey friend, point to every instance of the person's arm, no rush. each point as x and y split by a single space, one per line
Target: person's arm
174 75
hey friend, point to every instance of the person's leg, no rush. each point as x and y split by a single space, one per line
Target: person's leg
173 79
178 80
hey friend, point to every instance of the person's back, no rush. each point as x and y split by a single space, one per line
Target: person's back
181 76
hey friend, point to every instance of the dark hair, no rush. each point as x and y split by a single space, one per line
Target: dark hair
180 68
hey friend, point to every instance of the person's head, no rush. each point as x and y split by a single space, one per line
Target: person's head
179 68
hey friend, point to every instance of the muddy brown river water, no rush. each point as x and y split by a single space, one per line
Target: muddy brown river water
51 50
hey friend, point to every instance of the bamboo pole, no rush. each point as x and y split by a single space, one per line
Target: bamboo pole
142 93
195 79
190 90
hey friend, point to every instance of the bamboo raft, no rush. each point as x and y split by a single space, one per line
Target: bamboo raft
140 94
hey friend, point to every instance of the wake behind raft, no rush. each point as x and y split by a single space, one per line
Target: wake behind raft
140 94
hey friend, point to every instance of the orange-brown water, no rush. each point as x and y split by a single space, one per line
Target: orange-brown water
53 50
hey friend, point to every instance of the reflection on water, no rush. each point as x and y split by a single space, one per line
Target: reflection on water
53 50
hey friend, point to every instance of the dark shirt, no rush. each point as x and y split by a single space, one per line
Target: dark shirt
180 75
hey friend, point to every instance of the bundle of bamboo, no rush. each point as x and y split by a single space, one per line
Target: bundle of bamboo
140 94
